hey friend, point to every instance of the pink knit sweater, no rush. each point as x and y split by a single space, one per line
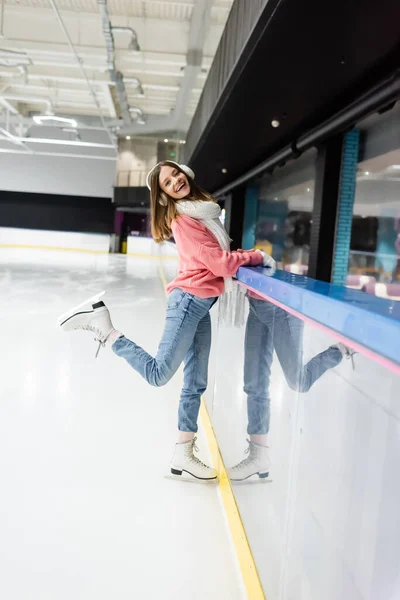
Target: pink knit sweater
202 262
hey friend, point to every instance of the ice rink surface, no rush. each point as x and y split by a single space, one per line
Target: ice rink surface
85 510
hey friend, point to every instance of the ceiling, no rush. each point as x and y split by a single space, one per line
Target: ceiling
115 67
299 79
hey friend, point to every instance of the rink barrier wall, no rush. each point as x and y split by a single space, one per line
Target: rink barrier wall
368 324
245 558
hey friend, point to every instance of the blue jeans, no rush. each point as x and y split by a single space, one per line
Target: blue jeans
268 328
187 339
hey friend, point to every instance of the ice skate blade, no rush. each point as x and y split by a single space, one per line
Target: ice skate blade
189 479
250 481
71 311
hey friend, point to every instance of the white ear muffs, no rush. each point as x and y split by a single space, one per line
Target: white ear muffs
187 170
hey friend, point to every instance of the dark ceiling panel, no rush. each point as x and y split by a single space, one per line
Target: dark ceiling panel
313 58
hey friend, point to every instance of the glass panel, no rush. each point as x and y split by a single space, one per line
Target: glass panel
374 263
324 523
285 207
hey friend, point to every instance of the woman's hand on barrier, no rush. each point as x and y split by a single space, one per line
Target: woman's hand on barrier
268 262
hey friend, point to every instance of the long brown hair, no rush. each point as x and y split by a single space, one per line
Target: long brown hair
163 208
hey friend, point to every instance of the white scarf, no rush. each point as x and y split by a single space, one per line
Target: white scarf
208 213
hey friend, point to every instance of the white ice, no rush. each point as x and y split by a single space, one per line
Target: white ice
85 510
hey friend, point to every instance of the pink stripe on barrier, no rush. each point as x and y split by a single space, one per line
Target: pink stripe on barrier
381 360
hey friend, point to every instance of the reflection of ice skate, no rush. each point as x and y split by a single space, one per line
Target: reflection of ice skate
186 466
89 302
252 480
346 352
257 463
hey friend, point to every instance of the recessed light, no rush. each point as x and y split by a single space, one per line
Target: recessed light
224 170
128 137
166 141
275 123
308 189
366 172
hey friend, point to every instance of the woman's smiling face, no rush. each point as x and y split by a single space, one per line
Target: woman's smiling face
174 183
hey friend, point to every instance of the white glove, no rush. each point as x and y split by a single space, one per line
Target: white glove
269 262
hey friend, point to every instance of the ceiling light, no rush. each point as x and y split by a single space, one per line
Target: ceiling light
224 170
128 137
275 123
366 172
182 141
395 167
166 141
308 189
39 119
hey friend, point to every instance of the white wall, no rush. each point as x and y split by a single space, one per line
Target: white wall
137 156
57 175
33 238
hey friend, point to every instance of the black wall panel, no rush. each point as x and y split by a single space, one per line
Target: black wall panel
56 213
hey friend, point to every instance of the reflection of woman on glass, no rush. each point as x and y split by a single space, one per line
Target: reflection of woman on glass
271 328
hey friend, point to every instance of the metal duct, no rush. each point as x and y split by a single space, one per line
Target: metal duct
133 44
140 118
136 82
31 99
115 75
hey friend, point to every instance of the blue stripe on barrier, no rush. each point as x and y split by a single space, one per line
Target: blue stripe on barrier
372 322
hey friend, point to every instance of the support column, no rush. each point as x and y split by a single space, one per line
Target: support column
345 206
234 207
322 239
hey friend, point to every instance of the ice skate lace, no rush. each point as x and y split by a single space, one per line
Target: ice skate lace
245 461
97 332
193 459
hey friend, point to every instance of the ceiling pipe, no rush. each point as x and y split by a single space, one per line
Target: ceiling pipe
118 79
2 19
140 118
10 108
10 137
133 44
115 75
136 82
31 99
80 66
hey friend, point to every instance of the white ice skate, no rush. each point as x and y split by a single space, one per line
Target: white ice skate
185 462
95 318
257 463
346 352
